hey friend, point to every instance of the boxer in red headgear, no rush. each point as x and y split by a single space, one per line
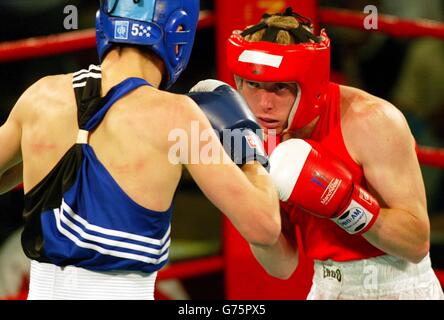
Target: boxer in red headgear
345 168
307 65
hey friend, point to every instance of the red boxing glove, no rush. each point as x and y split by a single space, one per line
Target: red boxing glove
318 182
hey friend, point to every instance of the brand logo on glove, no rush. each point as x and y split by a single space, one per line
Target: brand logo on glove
354 218
328 194
365 197
319 180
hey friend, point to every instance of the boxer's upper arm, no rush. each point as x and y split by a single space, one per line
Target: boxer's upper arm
11 130
11 170
10 140
11 137
386 150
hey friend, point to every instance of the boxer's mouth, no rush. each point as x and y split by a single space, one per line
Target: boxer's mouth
268 123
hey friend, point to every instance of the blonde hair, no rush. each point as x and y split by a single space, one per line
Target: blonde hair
290 28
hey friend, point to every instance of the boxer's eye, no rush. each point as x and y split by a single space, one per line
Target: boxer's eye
253 84
281 87
285 88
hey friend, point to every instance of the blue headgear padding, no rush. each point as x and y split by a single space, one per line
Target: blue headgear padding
153 24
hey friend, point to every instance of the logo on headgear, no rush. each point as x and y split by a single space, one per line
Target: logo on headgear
121 30
257 69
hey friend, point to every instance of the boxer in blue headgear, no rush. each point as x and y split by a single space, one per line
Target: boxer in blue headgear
103 150
167 27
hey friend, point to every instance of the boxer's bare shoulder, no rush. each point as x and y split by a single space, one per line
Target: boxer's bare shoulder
369 122
361 105
49 97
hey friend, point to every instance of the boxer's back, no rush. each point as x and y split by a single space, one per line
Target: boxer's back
131 141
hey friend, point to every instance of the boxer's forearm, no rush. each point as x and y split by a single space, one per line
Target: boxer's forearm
263 183
400 233
259 177
11 178
265 199
279 260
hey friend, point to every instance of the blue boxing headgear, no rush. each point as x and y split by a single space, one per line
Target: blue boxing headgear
167 27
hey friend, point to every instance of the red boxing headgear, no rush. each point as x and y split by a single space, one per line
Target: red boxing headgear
307 64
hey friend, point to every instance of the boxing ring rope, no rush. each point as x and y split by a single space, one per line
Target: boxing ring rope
430 156
47 45
387 24
85 39
192 268
65 42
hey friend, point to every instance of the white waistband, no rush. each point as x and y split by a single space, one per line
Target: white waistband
383 270
51 282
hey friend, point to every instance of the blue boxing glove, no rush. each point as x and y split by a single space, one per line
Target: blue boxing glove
230 116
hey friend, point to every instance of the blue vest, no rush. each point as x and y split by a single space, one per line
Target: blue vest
78 214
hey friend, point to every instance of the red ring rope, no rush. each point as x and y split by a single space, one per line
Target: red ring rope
431 156
65 42
391 25
189 269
